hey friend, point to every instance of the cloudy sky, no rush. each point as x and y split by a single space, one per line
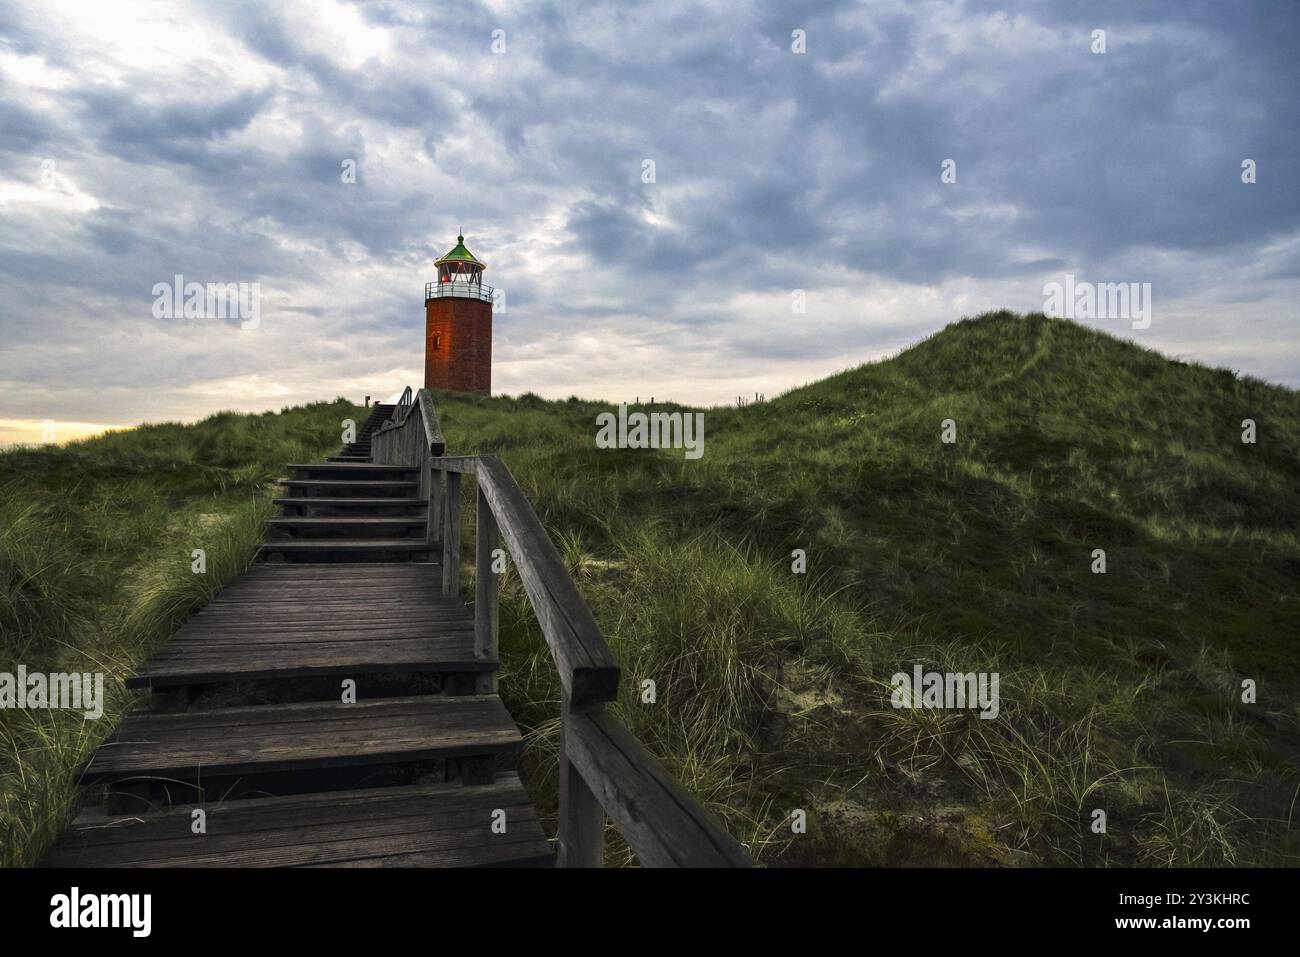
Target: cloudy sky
140 141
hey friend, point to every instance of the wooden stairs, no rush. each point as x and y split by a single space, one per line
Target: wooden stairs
248 722
336 705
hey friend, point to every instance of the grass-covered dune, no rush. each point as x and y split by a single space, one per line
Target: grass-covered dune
1119 691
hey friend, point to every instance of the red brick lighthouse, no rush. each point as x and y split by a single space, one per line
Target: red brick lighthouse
458 325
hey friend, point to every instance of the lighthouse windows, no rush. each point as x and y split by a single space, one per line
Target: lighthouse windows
437 343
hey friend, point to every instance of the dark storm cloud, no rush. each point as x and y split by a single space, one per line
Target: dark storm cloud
22 130
1099 154
179 131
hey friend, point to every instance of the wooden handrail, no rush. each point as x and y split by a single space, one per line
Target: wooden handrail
403 441
588 670
432 427
664 826
403 407
604 770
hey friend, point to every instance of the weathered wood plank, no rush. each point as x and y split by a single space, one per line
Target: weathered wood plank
327 615
331 615
414 626
452 645
664 826
588 670
350 468
486 596
343 587
413 825
210 661
463 464
434 442
437 490
351 571
581 838
344 521
344 544
267 738
451 536
458 632
358 483
341 500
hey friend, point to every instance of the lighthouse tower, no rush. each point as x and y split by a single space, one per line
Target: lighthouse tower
458 325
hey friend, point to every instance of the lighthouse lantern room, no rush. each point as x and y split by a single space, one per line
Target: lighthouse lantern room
460 265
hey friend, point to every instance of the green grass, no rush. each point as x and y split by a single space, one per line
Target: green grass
96 540
1119 691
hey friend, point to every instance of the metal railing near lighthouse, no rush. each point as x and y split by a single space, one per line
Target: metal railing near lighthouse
459 290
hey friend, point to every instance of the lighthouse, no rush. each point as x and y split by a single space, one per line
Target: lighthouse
458 325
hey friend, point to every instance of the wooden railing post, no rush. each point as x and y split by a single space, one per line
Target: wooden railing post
451 536
486 541
581 838
427 477
439 478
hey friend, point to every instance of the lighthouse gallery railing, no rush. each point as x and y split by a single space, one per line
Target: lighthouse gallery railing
459 290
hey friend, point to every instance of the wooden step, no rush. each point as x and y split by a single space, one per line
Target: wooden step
346 545
340 501
269 576
353 471
408 649
350 483
266 739
292 621
408 826
352 468
332 527
360 521
263 578
359 486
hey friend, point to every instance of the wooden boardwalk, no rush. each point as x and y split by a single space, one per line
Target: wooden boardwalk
336 705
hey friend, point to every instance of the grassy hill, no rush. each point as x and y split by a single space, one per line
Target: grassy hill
1120 691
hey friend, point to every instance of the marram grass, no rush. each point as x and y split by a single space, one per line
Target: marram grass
96 553
1120 692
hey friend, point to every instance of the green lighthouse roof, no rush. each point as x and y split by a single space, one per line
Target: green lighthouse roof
459 253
